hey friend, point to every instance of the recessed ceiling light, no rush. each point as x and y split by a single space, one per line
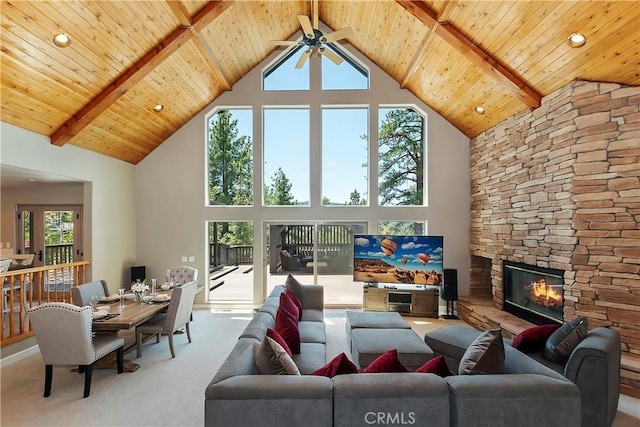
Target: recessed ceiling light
158 108
577 40
62 40
479 109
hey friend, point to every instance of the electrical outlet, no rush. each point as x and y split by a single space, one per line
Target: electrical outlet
192 259
183 259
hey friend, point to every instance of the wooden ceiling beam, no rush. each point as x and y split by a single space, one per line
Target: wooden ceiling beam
471 51
137 72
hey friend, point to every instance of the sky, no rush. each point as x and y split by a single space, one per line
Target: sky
287 135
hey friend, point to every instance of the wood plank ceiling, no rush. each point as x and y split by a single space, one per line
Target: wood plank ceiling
128 56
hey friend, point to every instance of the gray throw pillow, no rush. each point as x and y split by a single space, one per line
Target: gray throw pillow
565 339
291 284
272 359
485 355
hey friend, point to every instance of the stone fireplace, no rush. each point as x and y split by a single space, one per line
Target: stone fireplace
559 188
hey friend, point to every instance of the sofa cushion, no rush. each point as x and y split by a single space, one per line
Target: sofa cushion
485 355
270 306
312 356
386 362
288 307
437 366
295 287
533 340
296 301
272 359
257 327
277 338
288 330
312 332
339 365
565 339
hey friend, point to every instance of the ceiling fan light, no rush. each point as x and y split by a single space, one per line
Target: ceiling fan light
577 40
62 40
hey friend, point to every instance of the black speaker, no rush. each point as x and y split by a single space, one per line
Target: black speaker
139 272
450 291
450 287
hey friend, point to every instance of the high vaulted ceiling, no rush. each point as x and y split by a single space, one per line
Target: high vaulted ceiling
128 56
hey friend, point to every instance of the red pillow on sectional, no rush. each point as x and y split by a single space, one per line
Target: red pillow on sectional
533 340
386 362
288 307
339 365
296 301
437 366
287 328
277 338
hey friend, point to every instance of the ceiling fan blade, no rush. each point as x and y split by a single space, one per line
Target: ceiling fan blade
339 35
303 58
331 55
306 26
286 42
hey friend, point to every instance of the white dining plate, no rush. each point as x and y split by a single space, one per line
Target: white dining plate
162 298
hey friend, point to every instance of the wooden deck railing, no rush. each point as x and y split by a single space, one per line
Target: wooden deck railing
26 288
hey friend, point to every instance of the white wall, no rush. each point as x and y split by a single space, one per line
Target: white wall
109 235
171 181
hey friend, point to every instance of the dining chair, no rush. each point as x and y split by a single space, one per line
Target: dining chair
63 332
81 294
178 314
181 274
5 264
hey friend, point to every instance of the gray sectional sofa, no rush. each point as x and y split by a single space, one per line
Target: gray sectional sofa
525 394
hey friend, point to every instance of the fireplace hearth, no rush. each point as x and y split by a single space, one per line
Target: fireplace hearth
533 293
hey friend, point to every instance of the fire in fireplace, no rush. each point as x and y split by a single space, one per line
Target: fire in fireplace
533 293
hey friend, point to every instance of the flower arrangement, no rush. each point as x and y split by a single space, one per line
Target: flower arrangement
139 288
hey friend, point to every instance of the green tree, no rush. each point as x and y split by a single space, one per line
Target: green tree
355 199
279 192
326 201
401 154
230 162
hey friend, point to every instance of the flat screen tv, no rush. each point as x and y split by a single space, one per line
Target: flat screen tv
415 260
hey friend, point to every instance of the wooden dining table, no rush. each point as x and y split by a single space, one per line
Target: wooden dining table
126 318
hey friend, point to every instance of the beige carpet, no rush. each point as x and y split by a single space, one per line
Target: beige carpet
164 391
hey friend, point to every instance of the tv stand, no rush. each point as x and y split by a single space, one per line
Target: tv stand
414 300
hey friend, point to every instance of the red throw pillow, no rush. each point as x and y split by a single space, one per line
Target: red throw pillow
533 340
386 362
296 301
288 307
287 328
277 338
339 365
437 366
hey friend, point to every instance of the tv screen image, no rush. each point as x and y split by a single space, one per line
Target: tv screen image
413 260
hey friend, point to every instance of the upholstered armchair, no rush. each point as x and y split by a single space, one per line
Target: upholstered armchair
63 333
81 294
289 262
182 274
178 315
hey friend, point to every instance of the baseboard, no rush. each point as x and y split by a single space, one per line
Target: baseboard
16 357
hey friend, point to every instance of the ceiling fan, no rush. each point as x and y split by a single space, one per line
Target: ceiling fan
315 40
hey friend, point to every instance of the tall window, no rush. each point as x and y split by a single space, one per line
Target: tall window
398 228
283 75
344 156
401 157
230 157
346 76
286 156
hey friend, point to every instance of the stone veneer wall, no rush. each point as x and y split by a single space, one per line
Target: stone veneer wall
559 187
